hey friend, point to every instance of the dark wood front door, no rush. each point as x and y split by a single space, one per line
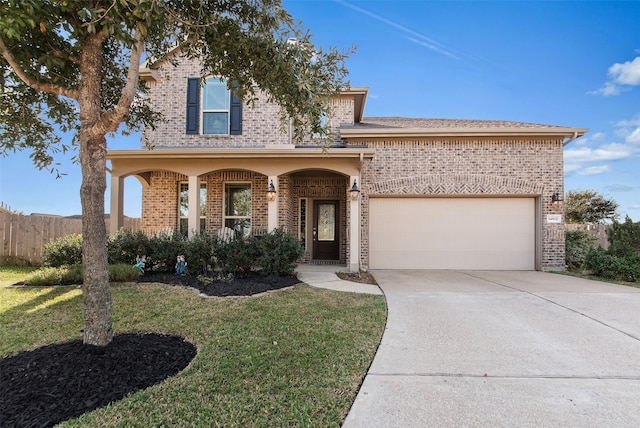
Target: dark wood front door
326 243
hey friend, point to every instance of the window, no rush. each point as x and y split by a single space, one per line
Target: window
237 208
302 221
211 108
183 207
215 106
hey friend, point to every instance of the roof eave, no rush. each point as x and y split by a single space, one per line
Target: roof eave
461 132
181 153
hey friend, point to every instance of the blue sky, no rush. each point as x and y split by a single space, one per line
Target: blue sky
569 63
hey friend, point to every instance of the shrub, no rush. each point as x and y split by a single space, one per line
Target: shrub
125 246
123 273
61 275
163 250
577 244
624 238
238 255
66 250
199 253
279 252
602 264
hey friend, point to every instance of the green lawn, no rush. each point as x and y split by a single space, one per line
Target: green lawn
295 357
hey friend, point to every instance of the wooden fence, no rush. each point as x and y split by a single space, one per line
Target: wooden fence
25 236
598 231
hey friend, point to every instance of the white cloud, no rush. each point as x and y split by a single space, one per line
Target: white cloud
627 73
594 170
633 137
621 75
608 152
620 188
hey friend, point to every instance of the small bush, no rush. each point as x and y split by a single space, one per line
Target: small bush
200 252
624 238
279 252
125 246
123 273
72 274
163 250
238 256
604 265
61 275
63 251
577 245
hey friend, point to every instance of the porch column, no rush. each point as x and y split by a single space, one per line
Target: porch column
193 216
272 207
354 229
116 204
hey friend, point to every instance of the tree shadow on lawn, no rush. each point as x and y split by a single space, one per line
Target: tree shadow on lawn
58 382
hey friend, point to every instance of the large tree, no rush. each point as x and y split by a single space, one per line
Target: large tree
72 66
588 206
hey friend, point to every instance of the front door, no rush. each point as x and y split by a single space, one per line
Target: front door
325 230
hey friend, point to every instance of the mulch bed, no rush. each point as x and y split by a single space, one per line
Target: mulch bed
46 386
254 283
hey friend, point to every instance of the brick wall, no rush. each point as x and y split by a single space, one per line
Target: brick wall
160 200
468 167
261 123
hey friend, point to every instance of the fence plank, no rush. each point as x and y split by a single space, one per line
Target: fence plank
24 237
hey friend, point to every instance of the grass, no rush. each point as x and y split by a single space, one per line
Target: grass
290 358
581 274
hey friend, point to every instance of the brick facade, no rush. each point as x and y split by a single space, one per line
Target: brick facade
425 165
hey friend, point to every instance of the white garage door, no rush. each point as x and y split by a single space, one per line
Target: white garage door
452 233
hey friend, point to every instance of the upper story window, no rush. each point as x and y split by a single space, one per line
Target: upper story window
215 106
212 108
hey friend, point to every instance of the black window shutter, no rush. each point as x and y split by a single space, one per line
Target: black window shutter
235 115
193 105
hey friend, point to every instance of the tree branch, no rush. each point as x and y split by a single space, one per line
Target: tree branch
111 120
39 86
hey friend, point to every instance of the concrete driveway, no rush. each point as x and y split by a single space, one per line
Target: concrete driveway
481 348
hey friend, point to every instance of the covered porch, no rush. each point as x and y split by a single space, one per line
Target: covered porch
306 191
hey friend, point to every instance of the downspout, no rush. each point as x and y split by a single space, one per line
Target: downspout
575 136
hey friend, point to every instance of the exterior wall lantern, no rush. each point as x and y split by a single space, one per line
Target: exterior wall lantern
354 193
271 192
556 198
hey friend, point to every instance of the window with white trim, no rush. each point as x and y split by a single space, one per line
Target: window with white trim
183 207
237 208
216 100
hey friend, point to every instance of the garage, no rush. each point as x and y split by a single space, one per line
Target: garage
452 233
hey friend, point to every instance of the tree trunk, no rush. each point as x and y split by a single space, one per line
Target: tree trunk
93 154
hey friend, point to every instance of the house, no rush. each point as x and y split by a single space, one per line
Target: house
427 193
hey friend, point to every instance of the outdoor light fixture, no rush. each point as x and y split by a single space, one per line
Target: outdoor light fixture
271 192
354 192
555 198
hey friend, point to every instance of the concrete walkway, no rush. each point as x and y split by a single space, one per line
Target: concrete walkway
324 276
495 349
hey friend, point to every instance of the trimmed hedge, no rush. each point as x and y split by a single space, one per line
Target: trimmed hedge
602 264
275 252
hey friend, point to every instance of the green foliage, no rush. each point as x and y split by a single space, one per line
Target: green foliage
72 274
123 273
577 245
238 256
588 206
279 252
125 247
163 251
61 275
602 264
200 252
66 250
624 238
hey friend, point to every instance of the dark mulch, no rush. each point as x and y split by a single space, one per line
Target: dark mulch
254 283
54 383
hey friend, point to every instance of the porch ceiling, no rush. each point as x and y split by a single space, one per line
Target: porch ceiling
270 162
